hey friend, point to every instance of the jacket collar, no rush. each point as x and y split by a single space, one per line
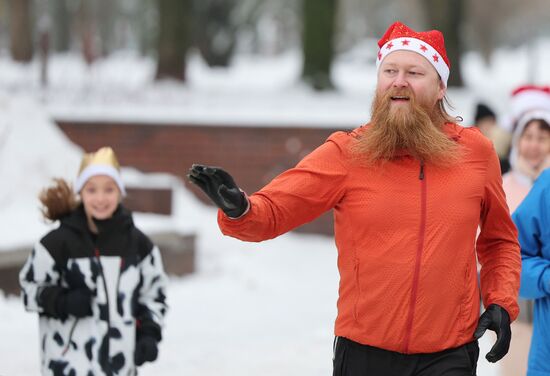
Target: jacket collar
453 131
121 219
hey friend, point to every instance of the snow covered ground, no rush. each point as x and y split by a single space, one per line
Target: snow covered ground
251 309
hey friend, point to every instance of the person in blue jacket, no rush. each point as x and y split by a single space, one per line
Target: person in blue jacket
532 219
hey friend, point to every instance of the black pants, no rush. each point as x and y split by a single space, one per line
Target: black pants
353 359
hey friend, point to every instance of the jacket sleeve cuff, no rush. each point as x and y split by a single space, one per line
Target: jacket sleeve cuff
245 211
148 328
511 307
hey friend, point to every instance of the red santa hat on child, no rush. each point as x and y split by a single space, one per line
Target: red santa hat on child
528 98
524 99
429 44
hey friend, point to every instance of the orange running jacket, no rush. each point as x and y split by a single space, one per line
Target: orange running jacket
406 239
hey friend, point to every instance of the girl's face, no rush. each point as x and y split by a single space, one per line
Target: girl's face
100 196
534 144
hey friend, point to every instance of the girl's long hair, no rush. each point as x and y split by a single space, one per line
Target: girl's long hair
57 200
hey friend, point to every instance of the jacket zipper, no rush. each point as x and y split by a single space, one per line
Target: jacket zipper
358 286
70 337
421 236
97 254
118 280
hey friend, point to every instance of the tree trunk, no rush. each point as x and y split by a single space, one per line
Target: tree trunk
87 31
146 21
174 16
61 25
446 16
106 14
21 30
215 33
317 42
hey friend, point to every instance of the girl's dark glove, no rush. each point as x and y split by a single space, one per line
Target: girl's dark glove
146 350
496 319
221 188
74 302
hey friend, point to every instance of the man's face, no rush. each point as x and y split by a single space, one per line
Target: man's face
406 115
402 70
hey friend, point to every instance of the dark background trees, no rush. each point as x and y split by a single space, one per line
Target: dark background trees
20 27
319 18
217 30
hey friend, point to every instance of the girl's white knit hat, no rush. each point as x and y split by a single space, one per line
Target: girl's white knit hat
102 162
525 119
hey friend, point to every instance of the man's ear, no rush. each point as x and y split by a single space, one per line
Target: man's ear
442 90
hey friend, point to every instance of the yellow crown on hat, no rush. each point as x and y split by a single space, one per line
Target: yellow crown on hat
104 156
102 162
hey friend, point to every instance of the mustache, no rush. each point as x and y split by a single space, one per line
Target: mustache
398 93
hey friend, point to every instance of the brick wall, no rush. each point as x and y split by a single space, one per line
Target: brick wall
253 156
149 200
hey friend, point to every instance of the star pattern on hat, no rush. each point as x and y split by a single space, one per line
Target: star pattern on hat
429 44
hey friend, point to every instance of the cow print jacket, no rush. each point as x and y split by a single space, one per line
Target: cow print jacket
122 269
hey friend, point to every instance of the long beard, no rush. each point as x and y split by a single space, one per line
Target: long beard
411 129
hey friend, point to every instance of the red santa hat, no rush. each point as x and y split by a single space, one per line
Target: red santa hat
429 44
528 98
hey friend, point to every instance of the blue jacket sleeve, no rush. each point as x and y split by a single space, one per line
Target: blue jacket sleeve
532 221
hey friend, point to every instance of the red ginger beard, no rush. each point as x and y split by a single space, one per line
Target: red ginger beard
409 128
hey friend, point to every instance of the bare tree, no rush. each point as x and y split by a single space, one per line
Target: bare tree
61 29
21 30
43 31
87 30
319 17
447 17
173 40
215 30
106 16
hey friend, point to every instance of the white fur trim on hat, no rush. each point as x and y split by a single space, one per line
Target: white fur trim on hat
420 47
529 100
97 169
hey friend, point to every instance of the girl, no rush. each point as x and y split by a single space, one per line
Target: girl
530 155
97 282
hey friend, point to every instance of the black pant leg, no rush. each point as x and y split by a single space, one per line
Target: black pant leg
461 361
354 359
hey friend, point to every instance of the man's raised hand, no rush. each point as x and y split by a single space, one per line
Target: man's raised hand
220 187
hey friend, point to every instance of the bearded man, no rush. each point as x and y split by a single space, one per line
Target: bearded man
409 191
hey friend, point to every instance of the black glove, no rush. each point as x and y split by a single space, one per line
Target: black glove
496 319
76 302
146 350
221 189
